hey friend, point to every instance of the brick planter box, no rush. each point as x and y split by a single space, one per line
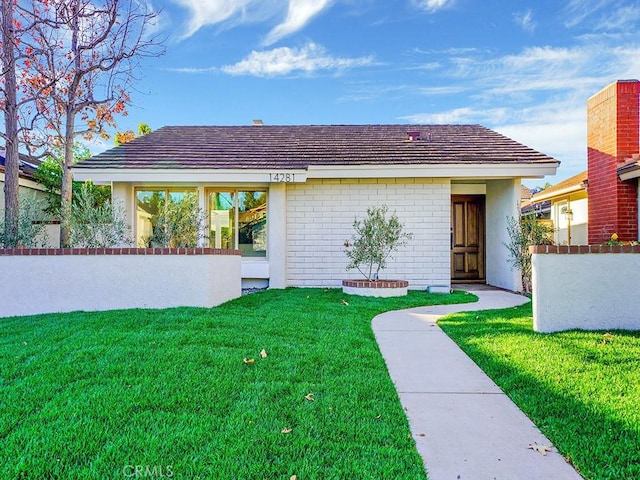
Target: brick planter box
375 288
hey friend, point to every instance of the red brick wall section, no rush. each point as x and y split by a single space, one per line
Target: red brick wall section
583 249
118 251
613 135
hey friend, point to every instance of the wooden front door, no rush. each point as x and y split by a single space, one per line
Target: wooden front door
467 238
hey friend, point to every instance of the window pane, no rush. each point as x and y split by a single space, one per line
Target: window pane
148 204
252 223
221 220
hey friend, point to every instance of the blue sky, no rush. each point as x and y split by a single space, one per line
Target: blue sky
523 68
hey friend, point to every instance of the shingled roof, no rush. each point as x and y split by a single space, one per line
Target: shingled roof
299 146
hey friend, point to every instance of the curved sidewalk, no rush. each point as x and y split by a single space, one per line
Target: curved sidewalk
464 426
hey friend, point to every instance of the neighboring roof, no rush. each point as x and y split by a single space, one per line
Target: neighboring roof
299 146
527 206
630 168
525 192
26 164
570 185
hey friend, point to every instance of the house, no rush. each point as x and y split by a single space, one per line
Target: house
287 196
568 209
27 167
27 185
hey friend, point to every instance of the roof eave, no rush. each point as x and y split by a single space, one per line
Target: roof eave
629 171
181 175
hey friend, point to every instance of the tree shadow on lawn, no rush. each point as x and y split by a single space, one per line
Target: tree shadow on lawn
582 389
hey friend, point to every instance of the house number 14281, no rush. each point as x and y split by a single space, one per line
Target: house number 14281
282 177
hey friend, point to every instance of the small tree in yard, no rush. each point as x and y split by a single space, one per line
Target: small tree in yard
523 233
96 225
376 237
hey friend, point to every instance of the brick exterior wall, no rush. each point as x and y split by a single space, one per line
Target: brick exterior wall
320 215
613 120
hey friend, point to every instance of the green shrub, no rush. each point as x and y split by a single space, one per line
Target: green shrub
376 237
32 226
97 224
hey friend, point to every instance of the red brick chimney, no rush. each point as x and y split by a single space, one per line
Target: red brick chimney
613 135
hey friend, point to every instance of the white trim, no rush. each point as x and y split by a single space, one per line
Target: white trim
175 175
185 175
630 175
539 197
462 171
26 183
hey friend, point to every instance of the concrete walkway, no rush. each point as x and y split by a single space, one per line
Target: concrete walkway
464 426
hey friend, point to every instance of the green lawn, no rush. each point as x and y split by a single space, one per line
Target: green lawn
95 395
582 389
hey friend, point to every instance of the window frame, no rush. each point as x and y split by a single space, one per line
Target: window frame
167 191
235 190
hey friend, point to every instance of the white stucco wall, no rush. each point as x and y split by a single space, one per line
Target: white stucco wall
503 201
64 283
567 295
320 215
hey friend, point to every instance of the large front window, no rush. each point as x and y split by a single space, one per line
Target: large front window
149 202
238 219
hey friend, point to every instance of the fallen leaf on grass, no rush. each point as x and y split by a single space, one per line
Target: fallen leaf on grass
345 303
606 339
542 449
263 353
309 397
286 430
293 477
248 360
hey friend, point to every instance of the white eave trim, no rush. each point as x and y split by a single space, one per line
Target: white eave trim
462 171
631 173
541 197
185 175
189 175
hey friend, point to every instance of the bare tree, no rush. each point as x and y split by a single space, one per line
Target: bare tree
90 51
16 105
10 111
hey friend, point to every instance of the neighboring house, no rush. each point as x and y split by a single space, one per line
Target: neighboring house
27 167
568 209
287 196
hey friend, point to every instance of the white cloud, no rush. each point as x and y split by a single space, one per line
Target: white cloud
465 115
194 70
525 20
623 19
541 92
210 12
203 13
285 61
300 12
602 15
432 6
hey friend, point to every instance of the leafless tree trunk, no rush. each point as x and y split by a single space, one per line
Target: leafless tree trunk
10 100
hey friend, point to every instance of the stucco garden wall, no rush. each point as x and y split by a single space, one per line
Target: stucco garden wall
320 215
62 280
585 287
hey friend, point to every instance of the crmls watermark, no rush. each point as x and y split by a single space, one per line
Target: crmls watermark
147 471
